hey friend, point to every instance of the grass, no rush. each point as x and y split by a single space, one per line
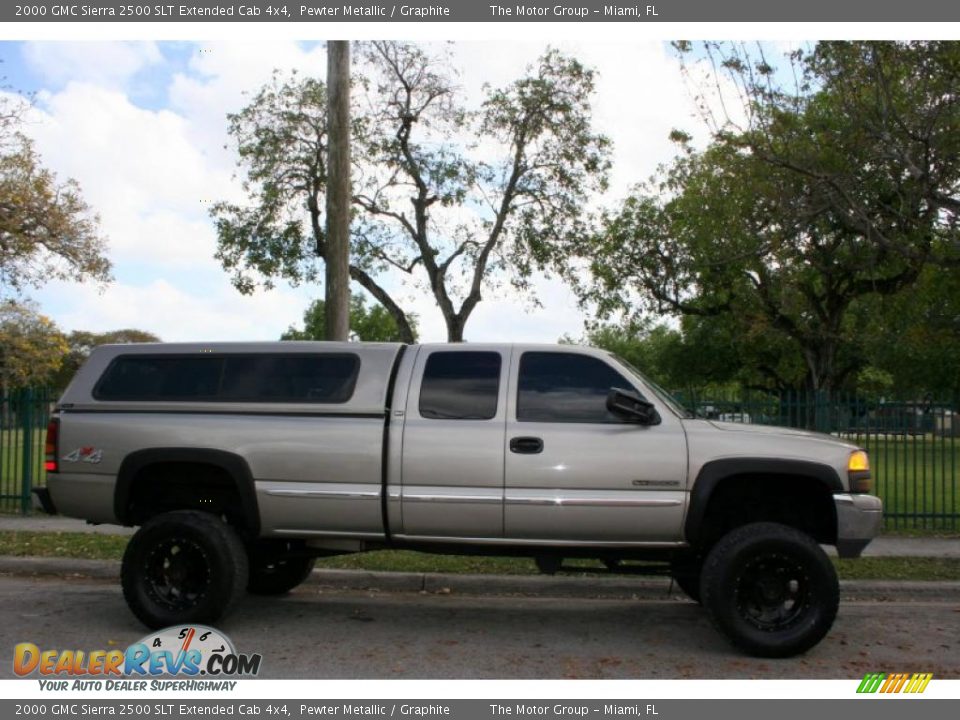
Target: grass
110 547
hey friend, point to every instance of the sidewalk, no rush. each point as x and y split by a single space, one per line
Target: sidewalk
889 546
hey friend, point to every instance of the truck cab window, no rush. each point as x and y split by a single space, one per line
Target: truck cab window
460 386
566 387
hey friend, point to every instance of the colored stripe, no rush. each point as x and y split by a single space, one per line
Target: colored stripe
903 679
926 681
891 681
870 683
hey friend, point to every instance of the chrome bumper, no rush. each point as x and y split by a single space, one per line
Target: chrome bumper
858 522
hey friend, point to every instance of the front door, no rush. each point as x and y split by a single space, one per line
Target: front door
574 471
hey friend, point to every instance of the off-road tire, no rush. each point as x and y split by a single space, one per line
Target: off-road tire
183 567
770 589
278 575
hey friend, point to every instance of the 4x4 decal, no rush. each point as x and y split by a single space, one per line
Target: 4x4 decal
87 454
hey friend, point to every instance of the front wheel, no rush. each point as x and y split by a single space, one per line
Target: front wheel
770 589
183 567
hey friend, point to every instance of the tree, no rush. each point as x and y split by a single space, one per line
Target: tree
372 324
47 231
886 115
444 195
80 344
914 337
31 346
722 245
790 228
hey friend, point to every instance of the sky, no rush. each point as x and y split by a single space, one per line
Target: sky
142 127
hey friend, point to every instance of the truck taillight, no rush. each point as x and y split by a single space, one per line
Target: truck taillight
50 462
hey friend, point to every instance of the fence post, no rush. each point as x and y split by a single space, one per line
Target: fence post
26 427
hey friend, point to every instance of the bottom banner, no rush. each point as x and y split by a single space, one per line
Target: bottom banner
786 709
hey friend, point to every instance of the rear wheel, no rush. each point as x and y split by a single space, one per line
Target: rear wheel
183 566
770 589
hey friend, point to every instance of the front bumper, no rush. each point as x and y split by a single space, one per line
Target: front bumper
858 522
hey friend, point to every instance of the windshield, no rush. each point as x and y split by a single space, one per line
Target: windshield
665 397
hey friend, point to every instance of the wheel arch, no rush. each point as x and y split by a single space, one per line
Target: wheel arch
715 473
231 465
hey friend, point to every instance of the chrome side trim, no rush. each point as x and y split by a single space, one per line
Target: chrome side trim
338 494
459 499
589 502
539 543
297 532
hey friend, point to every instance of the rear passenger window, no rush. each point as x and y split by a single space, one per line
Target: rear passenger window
231 378
460 386
565 387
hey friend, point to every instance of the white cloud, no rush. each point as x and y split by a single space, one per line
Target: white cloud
222 76
151 174
108 64
150 185
213 311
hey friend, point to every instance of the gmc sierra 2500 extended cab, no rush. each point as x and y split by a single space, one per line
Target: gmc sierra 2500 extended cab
243 462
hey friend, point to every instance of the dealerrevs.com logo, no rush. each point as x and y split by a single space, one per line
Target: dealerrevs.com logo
189 652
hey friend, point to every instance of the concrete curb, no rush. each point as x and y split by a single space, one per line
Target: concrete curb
492 585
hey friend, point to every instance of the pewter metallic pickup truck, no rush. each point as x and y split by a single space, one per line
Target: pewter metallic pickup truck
243 462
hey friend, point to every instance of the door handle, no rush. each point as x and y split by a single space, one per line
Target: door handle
526 445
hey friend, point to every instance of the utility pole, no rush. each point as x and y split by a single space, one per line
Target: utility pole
337 289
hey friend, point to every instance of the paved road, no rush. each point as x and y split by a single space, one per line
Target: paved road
342 634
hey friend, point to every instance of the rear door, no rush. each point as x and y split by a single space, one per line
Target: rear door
574 471
453 451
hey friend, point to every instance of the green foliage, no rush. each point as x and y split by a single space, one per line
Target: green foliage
47 231
372 324
81 343
427 204
914 337
31 346
788 231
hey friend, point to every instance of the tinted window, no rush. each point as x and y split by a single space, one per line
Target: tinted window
460 386
290 378
563 387
231 378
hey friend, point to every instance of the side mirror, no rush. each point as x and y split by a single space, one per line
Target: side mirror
629 406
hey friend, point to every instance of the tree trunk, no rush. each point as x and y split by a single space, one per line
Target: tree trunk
339 195
821 383
456 324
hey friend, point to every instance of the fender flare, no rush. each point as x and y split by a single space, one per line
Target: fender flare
235 466
715 471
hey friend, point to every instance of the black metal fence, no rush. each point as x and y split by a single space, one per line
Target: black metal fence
24 414
914 445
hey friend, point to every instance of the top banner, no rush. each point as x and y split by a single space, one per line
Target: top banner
569 11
